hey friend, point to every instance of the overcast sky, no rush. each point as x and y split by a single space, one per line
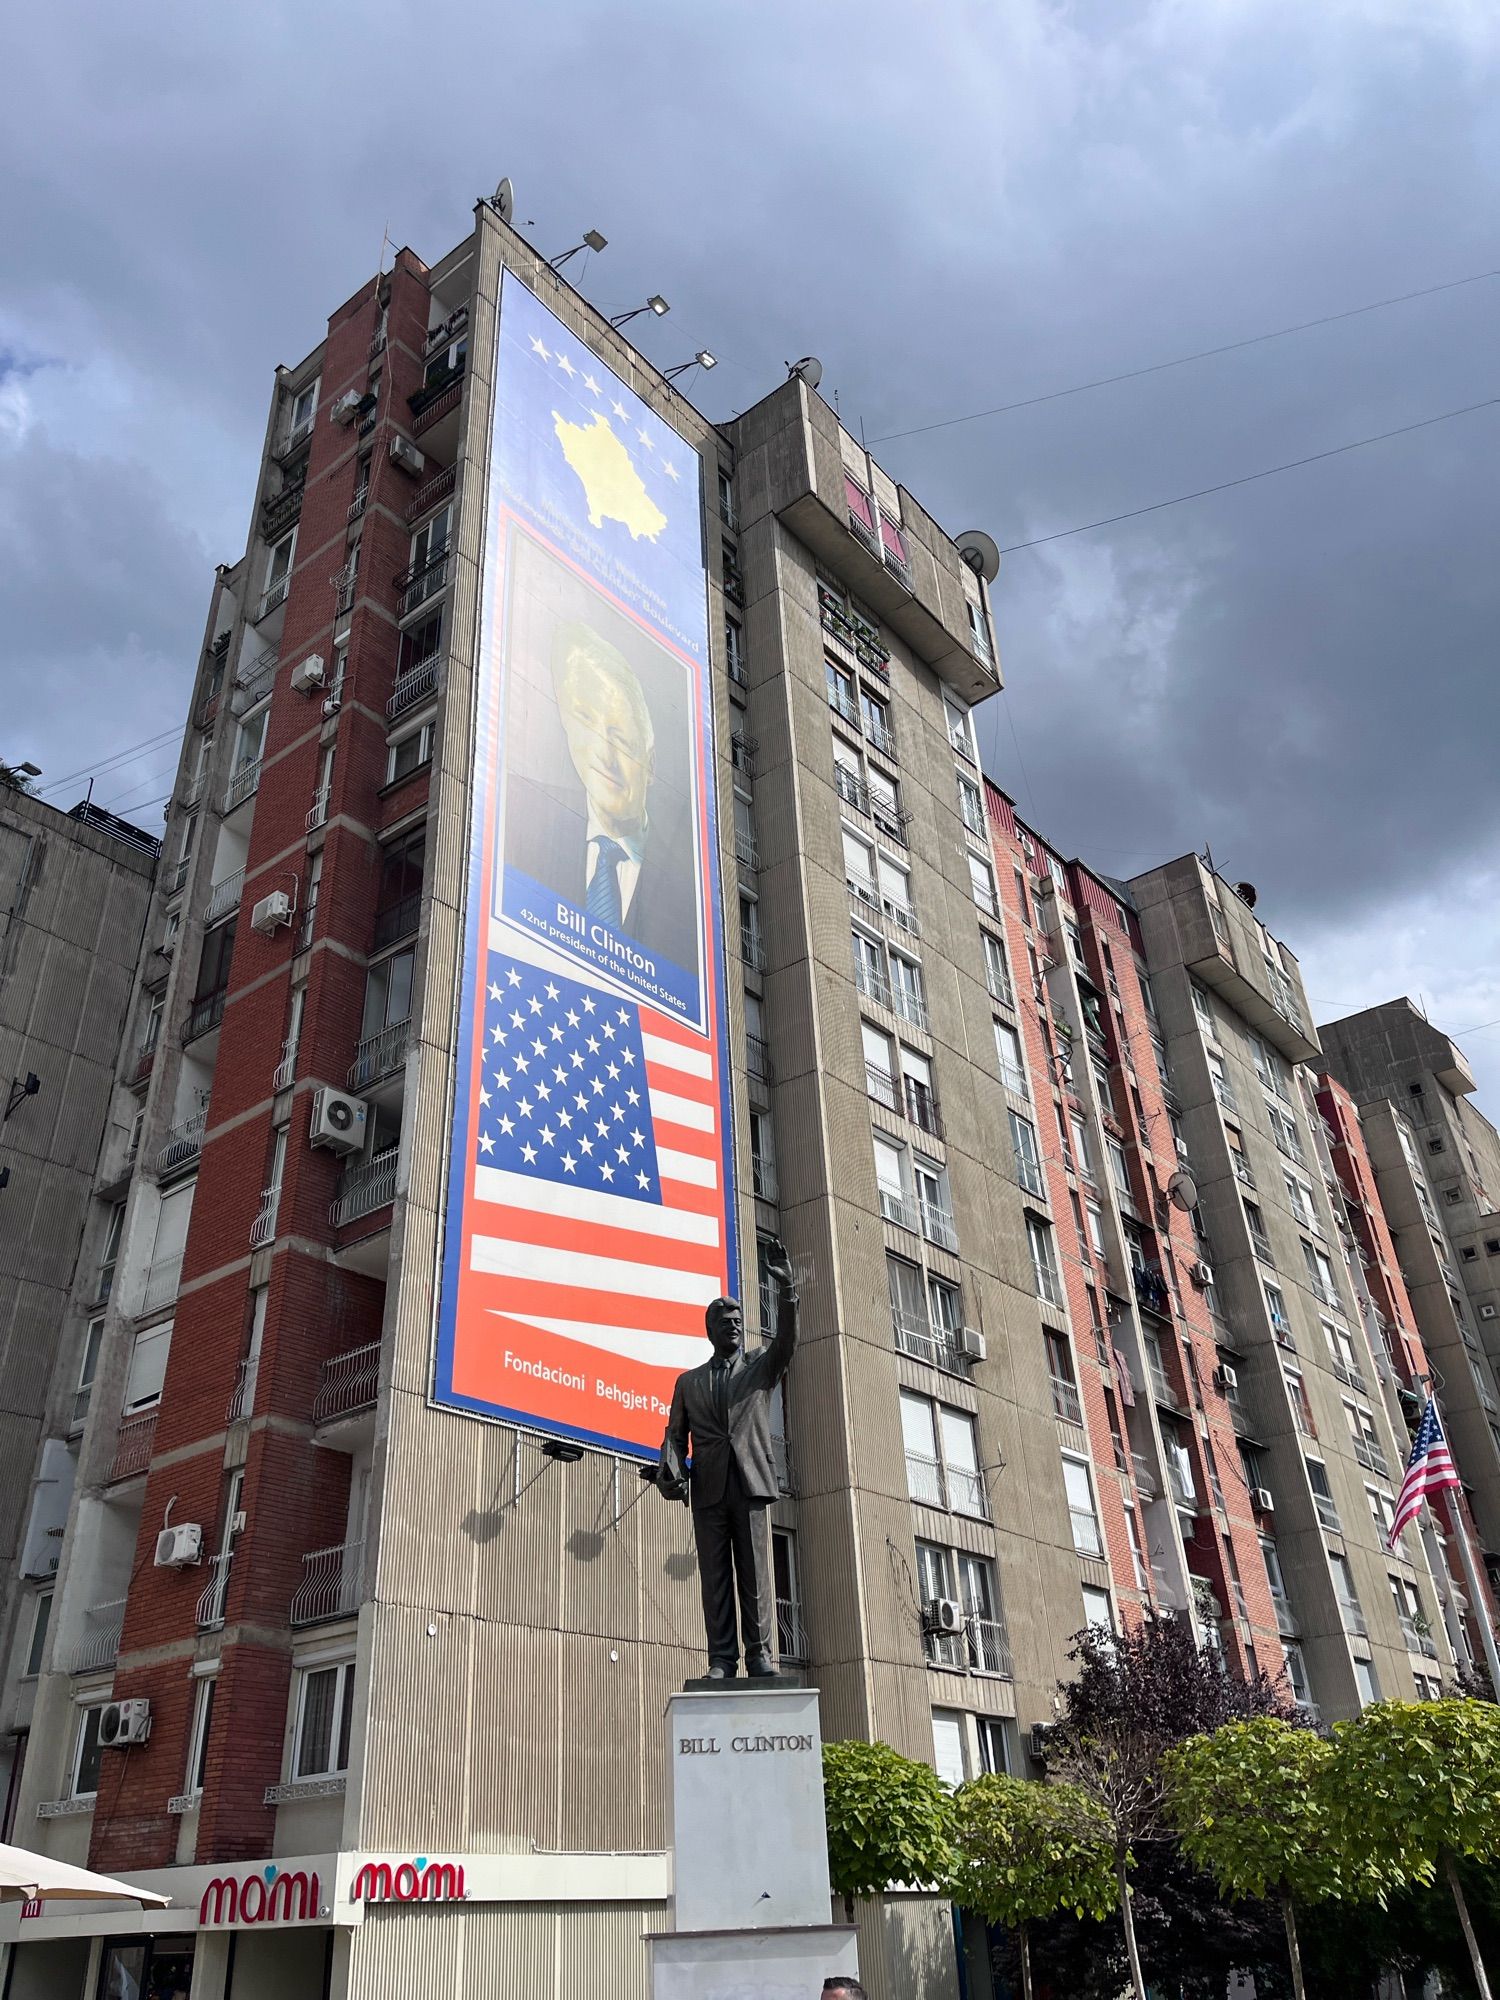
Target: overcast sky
954 206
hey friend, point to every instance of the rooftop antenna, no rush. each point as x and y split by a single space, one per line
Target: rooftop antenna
809 368
385 244
503 200
980 552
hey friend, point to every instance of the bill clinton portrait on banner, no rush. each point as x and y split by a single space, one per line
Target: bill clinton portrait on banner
599 851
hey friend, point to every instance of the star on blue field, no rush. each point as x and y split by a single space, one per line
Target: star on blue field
562 1085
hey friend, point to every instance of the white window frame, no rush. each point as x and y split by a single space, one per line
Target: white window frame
425 732
340 1668
80 1746
198 1734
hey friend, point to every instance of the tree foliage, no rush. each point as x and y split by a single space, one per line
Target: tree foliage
1416 1780
1023 1851
1251 1806
887 1819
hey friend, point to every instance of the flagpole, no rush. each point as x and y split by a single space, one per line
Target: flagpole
1476 1594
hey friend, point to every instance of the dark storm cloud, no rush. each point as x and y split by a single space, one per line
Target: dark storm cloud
954 207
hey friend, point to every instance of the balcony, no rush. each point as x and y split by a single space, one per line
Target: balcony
99 1642
758 1060
272 598
224 898
1067 1406
431 493
763 1182
379 1055
734 584
880 736
207 1012
922 1106
133 1445
1146 1483
182 1145
936 1346
317 812
745 850
1418 1638
397 921
791 1640
444 334
898 1209
909 1006
242 785
1242 1168
1150 1290
160 1286
293 438
330 1586
363 1188
1227 1099
752 951
418 683
285 1072
348 1382
1353 1619
242 1396
438 399
263 1228
212 1597
422 582
844 705
937 1226
1371 1457
279 510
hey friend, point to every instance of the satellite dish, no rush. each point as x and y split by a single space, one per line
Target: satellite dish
1246 893
810 368
503 201
980 552
1182 1191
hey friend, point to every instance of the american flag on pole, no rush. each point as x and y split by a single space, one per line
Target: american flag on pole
597 1214
1429 1470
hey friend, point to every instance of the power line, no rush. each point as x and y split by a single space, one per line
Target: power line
118 757
1249 478
1182 360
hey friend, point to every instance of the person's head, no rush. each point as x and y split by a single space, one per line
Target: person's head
726 1326
604 715
843 1986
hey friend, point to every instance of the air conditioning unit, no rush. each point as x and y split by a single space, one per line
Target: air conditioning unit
405 455
971 1343
1226 1379
271 912
943 1615
177 1548
1201 1273
123 1722
1263 1500
1042 1734
310 674
338 1121
346 407
1182 1149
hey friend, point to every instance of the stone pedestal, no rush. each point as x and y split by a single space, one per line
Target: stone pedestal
750 1902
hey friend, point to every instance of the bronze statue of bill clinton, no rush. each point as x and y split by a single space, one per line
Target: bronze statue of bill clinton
717 1454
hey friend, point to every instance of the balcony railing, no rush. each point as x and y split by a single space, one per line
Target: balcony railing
922 1106
441 336
752 951
953 1488
242 1396
317 812
416 684
364 1188
397 921
880 736
431 492
758 1059
1417 1641
133 1445
211 1599
1066 1404
273 597
989 1648
285 1072
909 1005
207 1012
1353 1619
183 1143
937 1346
898 1208
791 1640
330 1585
160 1286
99 1641
924 1480
763 1178
1086 1537
843 703
937 1226
263 1228
224 898
348 1382
1328 1514
1371 1457
1226 1097
422 581
379 1055
293 438
445 397
242 785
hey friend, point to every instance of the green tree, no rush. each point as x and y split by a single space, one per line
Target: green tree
1417 1785
1252 1808
1023 1851
887 1820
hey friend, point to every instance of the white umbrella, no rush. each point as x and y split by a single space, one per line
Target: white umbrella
37 1876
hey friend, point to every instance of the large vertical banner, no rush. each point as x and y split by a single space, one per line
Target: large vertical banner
591 1198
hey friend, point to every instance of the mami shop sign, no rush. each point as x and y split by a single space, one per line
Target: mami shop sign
274 1895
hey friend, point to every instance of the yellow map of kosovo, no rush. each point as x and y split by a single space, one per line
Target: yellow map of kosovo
610 480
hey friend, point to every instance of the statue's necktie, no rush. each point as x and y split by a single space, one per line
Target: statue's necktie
721 1392
604 885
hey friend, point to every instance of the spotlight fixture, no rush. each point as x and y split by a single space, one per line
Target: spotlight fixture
562 1449
30 770
702 359
20 1091
592 240
655 304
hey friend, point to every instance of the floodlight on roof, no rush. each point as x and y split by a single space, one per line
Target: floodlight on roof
592 240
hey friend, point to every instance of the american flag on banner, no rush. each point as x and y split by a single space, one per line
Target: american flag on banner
597 1211
1429 1469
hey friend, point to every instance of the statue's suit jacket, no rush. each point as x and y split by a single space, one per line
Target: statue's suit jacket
739 1433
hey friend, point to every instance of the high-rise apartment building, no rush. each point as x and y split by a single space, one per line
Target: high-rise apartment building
74 889
362 1660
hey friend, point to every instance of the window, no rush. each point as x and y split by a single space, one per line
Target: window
762 1156
842 696
859 869
41 1618
1137 1553
1382 1510
1320 1274
880 1065
1024 1151
1322 1493
1219 1077
1008 1049
957 720
1066 1406
1299 1200
1119 1171
83 1782
734 650
876 716
1365 1681
1097 1609
906 990
203 1710
895 892
1261 1241
885 805
1203 1008
1296 1675
942 1458
409 753
278 567
996 970
430 541
325 1709
935 1204
87 1368
971 806
420 645
1296 1390
1082 1152
304 403
982 882
1276 1307
1096 1231
387 994
1021 897
917 1091
148 1368
869 969
997 1753
948 1746
398 899
1043 1259
891 1183
1080 1492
